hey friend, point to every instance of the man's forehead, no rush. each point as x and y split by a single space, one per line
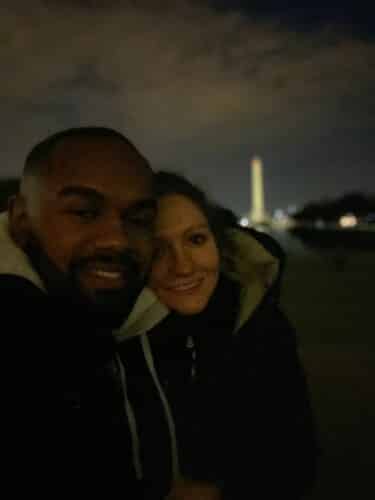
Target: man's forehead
97 157
119 178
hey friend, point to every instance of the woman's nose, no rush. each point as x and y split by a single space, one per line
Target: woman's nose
183 263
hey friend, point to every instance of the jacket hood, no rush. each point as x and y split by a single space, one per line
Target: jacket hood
250 264
13 260
147 312
254 267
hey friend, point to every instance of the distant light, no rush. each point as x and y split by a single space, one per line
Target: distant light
244 222
292 209
348 220
279 214
320 223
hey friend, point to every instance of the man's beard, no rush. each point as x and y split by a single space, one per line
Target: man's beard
104 307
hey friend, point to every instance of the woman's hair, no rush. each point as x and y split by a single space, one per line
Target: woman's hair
219 218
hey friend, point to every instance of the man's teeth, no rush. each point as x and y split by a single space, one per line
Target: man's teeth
108 274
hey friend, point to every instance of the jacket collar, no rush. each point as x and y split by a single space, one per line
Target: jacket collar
254 268
13 260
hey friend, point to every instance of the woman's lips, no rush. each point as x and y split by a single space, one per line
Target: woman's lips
184 286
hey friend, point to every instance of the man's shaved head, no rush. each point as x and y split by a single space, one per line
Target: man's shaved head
40 164
38 160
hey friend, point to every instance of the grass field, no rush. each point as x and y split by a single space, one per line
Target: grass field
329 297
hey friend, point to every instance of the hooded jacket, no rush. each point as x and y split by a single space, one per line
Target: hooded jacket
65 418
222 396
219 397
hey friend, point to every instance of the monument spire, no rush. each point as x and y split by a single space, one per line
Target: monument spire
258 213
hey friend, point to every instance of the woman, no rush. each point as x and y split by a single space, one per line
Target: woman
216 372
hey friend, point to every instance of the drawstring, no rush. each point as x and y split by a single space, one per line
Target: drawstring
131 420
150 363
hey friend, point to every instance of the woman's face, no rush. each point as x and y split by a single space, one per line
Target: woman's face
185 269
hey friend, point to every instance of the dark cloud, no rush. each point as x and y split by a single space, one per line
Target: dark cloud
196 88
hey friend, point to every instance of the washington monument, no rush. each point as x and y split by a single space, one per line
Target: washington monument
257 214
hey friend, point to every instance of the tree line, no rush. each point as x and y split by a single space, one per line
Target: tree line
331 210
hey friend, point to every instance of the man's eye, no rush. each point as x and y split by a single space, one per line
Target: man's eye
198 239
159 251
85 213
142 221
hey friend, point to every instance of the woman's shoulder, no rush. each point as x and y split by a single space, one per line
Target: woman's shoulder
268 326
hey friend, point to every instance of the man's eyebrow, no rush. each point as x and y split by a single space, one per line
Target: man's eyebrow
146 204
94 196
82 192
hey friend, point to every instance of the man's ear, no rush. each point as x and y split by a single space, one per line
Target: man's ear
19 223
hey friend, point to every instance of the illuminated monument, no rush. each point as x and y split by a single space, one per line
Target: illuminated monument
257 214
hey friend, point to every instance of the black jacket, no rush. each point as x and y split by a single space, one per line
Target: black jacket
234 386
65 429
89 411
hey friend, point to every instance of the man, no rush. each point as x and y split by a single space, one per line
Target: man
75 250
84 218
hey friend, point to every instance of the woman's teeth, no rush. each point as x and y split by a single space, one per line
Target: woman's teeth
184 286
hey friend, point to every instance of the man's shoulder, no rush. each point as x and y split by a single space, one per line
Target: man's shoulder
21 301
18 287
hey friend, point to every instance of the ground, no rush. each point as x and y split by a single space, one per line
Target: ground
329 297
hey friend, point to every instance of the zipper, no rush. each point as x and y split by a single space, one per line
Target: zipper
190 345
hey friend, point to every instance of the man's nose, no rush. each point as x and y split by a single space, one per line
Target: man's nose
112 235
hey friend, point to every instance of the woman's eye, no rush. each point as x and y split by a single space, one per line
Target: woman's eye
142 220
198 239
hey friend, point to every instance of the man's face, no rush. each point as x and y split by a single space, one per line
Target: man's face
90 233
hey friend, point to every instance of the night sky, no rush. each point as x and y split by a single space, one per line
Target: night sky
200 87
